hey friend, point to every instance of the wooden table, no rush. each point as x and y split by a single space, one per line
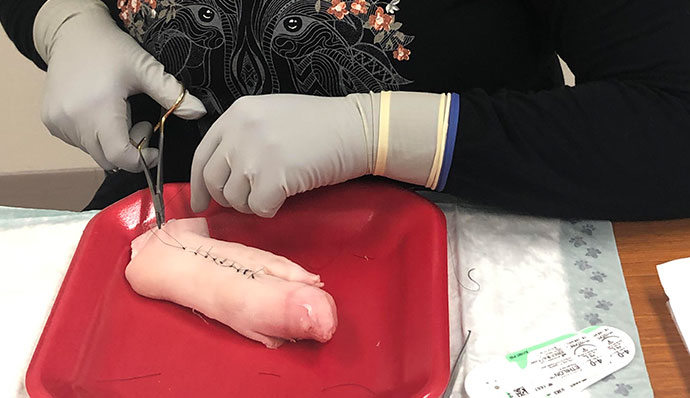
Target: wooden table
641 246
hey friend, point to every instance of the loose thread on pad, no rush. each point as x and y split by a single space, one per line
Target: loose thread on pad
469 276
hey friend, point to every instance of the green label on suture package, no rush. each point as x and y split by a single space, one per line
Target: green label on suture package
520 357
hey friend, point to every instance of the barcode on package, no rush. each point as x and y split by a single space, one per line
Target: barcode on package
521 392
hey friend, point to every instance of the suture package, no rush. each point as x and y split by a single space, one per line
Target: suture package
260 295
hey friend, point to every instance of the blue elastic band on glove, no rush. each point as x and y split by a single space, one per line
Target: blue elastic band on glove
450 140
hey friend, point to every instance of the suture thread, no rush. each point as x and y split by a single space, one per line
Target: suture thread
198 252
469 276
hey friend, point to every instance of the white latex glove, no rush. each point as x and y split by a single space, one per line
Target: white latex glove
266 148
93 67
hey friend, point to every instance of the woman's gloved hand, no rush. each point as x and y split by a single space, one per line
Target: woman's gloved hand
266 148
93 67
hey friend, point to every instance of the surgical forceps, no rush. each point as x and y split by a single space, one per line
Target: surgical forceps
156 189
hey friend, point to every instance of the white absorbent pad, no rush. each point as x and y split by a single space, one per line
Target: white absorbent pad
518 281
30 281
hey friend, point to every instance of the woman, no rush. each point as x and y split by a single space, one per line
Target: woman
512 136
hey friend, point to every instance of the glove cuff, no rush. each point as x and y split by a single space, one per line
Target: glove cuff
53 15
405 134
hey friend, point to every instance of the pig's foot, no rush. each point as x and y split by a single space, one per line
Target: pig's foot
265 297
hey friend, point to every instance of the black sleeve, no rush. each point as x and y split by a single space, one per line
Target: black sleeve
17 18
616 146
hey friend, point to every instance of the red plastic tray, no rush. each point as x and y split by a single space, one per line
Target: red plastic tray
380 250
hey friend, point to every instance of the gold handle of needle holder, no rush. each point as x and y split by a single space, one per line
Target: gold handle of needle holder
178 102
157 190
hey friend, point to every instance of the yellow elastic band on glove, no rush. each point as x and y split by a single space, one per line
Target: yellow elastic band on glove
441 131
384 132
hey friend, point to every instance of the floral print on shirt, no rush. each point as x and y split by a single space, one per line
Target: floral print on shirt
224 49
380 19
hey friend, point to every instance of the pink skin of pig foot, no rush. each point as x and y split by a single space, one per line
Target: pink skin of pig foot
264 297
